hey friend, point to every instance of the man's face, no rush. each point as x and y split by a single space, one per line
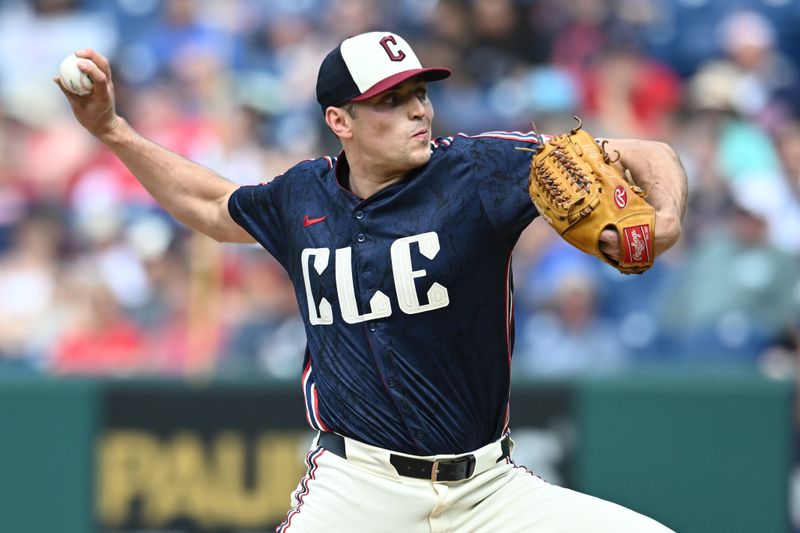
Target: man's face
392 130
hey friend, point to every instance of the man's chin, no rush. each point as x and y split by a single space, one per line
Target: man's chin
416 159
423 154
421 159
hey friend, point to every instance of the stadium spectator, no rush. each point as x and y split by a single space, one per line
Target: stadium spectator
227 83
733 313
568 337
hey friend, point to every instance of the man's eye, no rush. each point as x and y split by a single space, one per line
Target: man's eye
388 99
422 94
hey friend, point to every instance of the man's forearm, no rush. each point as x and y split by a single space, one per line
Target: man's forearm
190 192
656 168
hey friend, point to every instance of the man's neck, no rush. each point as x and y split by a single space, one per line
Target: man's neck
363 180
368 185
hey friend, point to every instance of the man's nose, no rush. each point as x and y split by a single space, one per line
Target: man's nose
416 109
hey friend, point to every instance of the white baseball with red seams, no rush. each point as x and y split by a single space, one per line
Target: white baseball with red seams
72 78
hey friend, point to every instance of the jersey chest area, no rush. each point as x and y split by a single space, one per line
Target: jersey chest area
404 254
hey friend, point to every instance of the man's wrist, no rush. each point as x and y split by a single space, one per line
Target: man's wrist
667 231
114 132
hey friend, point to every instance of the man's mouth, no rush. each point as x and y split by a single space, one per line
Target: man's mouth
420 134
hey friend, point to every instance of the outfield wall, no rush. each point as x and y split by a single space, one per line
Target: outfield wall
701 454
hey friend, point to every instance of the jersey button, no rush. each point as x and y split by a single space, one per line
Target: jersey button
419 435
359 215
372 327
361 237
391 382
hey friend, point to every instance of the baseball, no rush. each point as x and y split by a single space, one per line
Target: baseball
72 78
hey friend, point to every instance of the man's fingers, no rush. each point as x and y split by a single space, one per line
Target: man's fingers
609 243
73 98
100 60
609 250
94 72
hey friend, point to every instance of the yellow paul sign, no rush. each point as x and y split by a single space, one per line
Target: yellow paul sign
227 480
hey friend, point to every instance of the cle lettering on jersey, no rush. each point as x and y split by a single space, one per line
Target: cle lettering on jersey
320 312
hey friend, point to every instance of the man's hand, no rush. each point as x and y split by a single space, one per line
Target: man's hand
95 111
609 243
656 168
192 193
576 188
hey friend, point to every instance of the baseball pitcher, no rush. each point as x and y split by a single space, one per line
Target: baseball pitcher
399 250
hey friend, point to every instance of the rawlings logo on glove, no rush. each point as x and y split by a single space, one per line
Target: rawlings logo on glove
579 192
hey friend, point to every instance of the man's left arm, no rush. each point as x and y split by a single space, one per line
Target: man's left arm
656 168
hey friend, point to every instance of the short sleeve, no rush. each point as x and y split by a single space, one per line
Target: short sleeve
255 208
502 169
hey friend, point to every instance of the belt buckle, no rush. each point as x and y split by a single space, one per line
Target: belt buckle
468 461
435 471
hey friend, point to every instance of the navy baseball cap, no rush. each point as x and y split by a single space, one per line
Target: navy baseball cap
366 65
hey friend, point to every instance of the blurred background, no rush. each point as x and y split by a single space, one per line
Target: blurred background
101 290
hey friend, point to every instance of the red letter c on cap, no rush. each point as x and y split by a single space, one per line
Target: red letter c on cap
399 55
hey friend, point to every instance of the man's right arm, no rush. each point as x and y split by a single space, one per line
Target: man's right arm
192 193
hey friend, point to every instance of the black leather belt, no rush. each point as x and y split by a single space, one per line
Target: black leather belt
454 469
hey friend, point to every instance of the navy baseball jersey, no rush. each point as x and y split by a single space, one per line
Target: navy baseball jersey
407 295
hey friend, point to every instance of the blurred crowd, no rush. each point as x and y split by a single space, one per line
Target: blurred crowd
96 279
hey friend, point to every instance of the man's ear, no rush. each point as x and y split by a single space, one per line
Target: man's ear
339 121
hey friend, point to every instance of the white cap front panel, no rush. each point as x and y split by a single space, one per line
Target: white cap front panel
373 57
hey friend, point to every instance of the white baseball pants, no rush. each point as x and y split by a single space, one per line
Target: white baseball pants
364 494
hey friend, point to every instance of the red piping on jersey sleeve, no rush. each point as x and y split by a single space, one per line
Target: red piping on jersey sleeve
507 135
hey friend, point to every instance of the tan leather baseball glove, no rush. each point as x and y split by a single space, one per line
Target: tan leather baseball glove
578 191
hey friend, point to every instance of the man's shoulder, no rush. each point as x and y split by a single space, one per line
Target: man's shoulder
498 136
312 168
464 141
309 169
